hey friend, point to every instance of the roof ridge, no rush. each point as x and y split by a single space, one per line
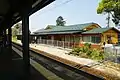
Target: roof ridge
75 24
82 23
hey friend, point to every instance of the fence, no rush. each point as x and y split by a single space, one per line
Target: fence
112 53
64 44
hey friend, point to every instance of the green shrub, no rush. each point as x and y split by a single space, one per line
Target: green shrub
97 55
87 52
76 50
88 45
85 49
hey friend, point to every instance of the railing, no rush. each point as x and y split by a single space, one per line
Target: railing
64 44
112 53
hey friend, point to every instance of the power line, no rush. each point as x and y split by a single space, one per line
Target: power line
67 1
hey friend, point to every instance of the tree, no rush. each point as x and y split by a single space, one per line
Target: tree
17 30
112 7
60 21
18 27
14 32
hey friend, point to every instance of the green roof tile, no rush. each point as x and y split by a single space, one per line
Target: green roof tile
97 30
59 32
58 29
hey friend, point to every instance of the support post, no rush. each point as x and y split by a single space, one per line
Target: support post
64 42
4 37
25 41
10 39
73 41
70 41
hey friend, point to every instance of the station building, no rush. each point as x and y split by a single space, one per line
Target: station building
77 34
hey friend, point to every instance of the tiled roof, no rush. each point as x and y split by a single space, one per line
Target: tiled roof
59 32
39 30
98 30
74 28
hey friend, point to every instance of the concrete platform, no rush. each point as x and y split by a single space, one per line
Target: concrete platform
61 53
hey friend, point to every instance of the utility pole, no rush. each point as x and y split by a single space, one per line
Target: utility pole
108 19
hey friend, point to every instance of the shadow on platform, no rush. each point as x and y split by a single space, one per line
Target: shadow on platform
11 67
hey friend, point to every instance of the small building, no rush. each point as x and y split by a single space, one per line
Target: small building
101 35
76 35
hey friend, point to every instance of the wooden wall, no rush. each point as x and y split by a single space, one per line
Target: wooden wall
112 33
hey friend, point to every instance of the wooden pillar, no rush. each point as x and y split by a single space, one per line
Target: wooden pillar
70 41
2 42
10 39
3 45
25 41
4 38
73 41
64 42
52 38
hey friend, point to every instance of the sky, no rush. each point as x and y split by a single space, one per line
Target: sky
73 12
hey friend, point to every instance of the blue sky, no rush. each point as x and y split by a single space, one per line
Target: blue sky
74 12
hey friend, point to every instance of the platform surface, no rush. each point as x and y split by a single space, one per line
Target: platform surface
11 68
